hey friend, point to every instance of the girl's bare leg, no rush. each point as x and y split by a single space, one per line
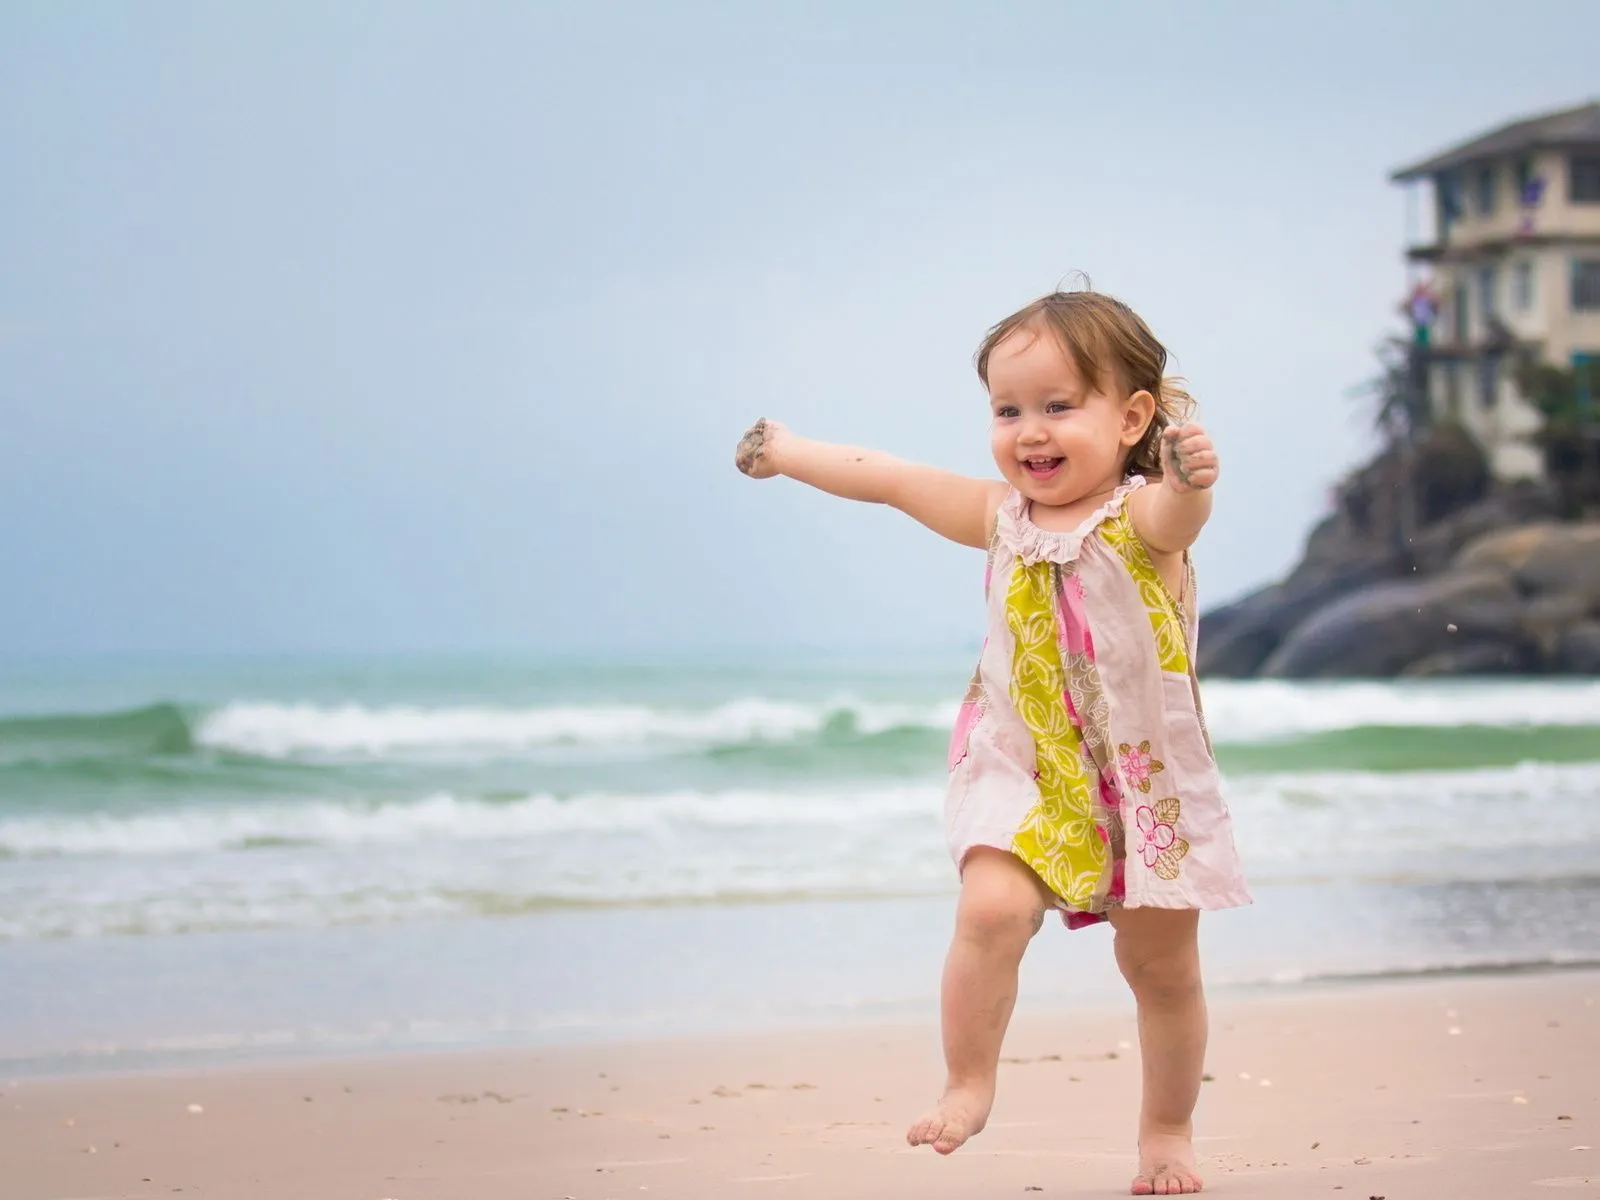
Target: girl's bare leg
1159 955
1001 908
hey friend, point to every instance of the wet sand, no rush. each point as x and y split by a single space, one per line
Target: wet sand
1462 1087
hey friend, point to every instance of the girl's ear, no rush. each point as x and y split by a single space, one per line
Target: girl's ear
1137 413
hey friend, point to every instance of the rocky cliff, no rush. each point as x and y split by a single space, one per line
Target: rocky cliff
1424 569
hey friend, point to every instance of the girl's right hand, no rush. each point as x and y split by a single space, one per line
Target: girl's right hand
757 453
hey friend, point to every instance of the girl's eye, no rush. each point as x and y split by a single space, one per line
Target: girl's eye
1057 406
1005 412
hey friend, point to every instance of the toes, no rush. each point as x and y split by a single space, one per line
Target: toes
1161 1184
1166 1185
938 1131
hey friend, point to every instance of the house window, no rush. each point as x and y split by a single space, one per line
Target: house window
1488 379
1586 283
1487 283
1586 372
1524 178
1452 389
1522 285
1461 313
1485 190
1583 179
1447 188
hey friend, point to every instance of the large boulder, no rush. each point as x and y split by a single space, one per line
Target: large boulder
1472 658
1506 551
1382 630
1369 599
1237 639
1544 619
1566 563
1578 650
1434 547
1544 558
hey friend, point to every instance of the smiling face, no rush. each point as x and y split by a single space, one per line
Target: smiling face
1057 437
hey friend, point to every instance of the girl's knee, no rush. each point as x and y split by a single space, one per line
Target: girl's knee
1159 956
1000 900
1162 980
996 919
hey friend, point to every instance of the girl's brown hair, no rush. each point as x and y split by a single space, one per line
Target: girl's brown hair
1111 346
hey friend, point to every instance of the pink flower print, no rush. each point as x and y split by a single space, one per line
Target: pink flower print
1155 836
1159 844
1138 765
1073 619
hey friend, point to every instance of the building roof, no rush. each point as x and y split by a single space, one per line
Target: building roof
1569 127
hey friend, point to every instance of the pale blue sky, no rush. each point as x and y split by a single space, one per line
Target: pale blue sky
432 326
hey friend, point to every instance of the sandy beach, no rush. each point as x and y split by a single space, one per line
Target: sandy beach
1467 1087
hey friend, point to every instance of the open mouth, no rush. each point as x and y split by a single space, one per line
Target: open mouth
1042 468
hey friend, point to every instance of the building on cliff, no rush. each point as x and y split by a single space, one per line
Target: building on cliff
1514 252
1465 546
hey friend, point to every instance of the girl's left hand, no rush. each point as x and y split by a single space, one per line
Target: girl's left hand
1188 458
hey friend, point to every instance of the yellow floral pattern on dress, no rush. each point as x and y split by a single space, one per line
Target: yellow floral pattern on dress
1059 838
1166 616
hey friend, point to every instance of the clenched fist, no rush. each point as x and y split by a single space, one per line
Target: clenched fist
757 453
1188 458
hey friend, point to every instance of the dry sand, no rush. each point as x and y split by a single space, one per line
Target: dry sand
1452 1088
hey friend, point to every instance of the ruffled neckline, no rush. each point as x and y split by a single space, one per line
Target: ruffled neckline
1017 533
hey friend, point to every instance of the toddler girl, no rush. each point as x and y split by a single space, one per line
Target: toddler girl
1081 772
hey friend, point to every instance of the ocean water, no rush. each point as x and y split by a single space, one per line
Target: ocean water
202 857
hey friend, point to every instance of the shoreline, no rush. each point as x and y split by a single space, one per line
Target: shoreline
270 1055
99 1007
1467 1086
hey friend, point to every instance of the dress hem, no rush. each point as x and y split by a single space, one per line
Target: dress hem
1237 897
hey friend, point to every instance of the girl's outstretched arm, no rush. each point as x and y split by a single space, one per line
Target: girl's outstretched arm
1169 516
954 506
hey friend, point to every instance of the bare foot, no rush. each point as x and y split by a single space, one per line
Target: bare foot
960 1113
1166 1166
